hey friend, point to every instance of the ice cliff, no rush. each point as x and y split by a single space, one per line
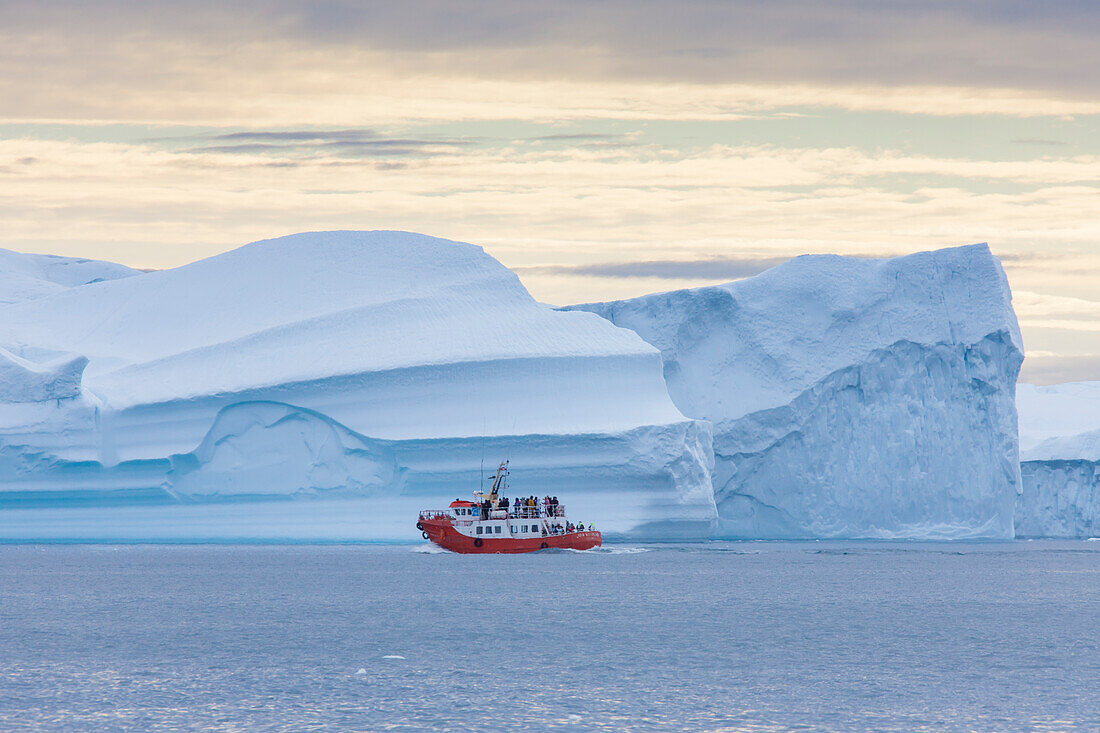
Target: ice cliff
328 386
1060 460
849 397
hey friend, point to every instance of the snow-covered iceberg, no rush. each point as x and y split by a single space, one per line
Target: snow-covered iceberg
328 386
1060 460
849 397
31 276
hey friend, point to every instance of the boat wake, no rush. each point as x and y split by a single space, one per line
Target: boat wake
603 550
429 549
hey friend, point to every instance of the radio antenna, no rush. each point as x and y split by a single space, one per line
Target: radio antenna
482 489
512 442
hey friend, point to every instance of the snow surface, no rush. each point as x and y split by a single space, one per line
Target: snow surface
328 386
31 276
1060 450
849 397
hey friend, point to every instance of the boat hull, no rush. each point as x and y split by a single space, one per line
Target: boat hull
443 533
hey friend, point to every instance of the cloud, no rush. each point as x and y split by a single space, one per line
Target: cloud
965 43
298 136
315 143
1038 141
1052 368
291 86
298 62
1040 310
579 137
371 148
625 203
1011 258
715 268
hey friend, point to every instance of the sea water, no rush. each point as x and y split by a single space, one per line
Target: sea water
714 637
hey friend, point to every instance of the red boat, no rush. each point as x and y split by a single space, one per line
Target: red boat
494 524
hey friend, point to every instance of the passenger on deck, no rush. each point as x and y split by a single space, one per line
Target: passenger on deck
580 527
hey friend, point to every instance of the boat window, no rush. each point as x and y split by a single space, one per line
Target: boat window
498 529
479 530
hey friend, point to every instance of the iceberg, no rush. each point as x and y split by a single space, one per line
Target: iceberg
30 276
327 386
1060 460
849 397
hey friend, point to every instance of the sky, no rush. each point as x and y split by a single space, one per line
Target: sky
600 149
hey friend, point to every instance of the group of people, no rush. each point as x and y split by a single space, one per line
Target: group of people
529 507
568 527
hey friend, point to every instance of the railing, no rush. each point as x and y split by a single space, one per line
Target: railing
522 512
538 512
437 514
465 521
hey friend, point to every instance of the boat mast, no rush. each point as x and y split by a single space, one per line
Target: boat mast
499 483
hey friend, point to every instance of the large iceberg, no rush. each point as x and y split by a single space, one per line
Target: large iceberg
849 397
1060 460
326 386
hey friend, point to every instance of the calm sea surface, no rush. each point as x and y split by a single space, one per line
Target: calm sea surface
717 637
